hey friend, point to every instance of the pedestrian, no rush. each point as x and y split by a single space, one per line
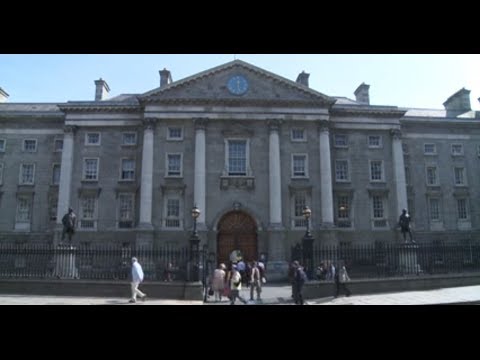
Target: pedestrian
236 286
298 281
341 280
137 279
218 282
255 281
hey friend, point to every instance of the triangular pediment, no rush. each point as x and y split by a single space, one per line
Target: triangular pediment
213 86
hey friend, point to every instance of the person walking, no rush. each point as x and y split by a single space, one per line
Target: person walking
299 280
341 280
236 286
137 279
255 281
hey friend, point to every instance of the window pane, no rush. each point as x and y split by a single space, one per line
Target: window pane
23 209
91 169
174 164
237 157
128 169
299 165
434 209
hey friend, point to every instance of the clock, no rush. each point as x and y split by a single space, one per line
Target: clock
237 85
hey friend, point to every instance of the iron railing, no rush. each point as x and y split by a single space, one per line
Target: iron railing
383 260
91 261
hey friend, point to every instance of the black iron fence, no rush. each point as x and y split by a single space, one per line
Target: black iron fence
91 261
390 260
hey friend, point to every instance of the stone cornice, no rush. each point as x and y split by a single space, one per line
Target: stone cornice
370 111
237 102
110 108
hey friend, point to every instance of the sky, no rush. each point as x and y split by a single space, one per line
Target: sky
404 80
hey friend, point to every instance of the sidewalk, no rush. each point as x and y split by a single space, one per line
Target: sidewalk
76 300
275 296
458 295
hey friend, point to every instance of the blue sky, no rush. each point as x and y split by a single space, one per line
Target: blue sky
424 81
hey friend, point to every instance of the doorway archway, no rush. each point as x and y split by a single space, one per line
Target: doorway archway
237 230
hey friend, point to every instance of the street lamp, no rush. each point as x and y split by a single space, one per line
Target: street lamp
194 246
307 244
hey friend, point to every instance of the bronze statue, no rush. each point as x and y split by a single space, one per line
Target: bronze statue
404 223
69 221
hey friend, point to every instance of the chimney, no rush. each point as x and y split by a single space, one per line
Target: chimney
165 77
302 78
458 103
3 95
101 90
361 94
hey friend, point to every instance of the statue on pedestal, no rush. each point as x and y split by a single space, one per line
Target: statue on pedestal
404 223
69 221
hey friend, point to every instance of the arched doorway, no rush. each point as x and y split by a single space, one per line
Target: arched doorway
236 231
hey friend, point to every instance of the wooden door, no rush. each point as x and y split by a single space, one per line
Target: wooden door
236 231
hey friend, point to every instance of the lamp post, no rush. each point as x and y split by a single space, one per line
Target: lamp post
307 244
194 246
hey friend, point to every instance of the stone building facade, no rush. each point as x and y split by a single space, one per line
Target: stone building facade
250 149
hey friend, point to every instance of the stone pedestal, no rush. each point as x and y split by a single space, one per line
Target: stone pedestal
65 262
143 252
407 259
277 265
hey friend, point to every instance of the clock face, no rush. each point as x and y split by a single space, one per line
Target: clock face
237 85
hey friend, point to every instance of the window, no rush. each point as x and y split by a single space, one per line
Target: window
30 145
27 174
457 149
341 141
407 175
434 206
343 211
3 143
299 165
378 212
459 176
299 203
174 165
92 138
174 133
430 149
125 211
128 170
88 215
341 170
237 157
173 213
432 178
374 141
376 170
462 209
53 208
298 135
1 173
90 169
58 145
56 174
129 138
24 204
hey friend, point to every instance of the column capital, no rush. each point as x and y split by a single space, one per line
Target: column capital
323 126
396 134
70 129
274 124
149 123
200 123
